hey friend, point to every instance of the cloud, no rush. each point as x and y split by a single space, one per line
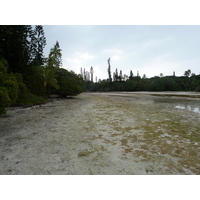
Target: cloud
162 65
113 51
114 54
154 43
86 56
150 48
73 64
77 60
100 72
115 57
73 60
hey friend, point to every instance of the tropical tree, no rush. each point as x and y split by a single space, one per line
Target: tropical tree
109 71
38 42
8 87
116 75
69 82
55 56
144 76
14 46
187 73
43 81
120 75
91 72
131 75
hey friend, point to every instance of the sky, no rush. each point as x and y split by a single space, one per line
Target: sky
147 49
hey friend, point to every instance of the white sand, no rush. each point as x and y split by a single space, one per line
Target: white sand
99 133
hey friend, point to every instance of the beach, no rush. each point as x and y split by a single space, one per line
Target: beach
103 134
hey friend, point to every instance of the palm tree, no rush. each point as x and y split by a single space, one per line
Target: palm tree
47 77
187 73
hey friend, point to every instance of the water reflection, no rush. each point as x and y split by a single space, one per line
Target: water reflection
194 109
192 105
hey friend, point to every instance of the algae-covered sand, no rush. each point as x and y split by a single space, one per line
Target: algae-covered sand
102 133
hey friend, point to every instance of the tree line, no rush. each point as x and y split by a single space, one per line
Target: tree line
119 82
26 75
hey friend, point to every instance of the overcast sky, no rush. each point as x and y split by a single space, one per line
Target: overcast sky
151 50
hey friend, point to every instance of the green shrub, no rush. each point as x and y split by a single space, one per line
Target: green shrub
69 82
22 89
24 96
10 83
3 69
30 99
8 87
4 100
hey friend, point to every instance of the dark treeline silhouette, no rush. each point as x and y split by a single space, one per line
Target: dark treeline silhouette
188 82
168 83
26 76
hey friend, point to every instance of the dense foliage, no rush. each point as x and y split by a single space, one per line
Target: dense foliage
26 76
8 87
167 83
69 82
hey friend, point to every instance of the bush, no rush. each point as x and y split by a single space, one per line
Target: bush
24 96
10 83
197 89
3 69
30 99
69 82
8 87
4 100
22 89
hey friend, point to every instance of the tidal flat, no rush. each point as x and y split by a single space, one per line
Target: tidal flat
104 133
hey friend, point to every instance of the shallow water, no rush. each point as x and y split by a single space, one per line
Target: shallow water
180 103
193 109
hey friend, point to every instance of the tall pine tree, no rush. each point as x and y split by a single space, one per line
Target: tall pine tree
14 46
109 71
38 42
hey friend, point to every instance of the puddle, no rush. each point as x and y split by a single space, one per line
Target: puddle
193 109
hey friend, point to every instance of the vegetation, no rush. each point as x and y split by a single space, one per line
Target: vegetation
69 82
188 82
8 87
109 71
26 76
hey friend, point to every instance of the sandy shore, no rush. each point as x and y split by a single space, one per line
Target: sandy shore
101 133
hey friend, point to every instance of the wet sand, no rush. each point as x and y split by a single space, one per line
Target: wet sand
102 133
